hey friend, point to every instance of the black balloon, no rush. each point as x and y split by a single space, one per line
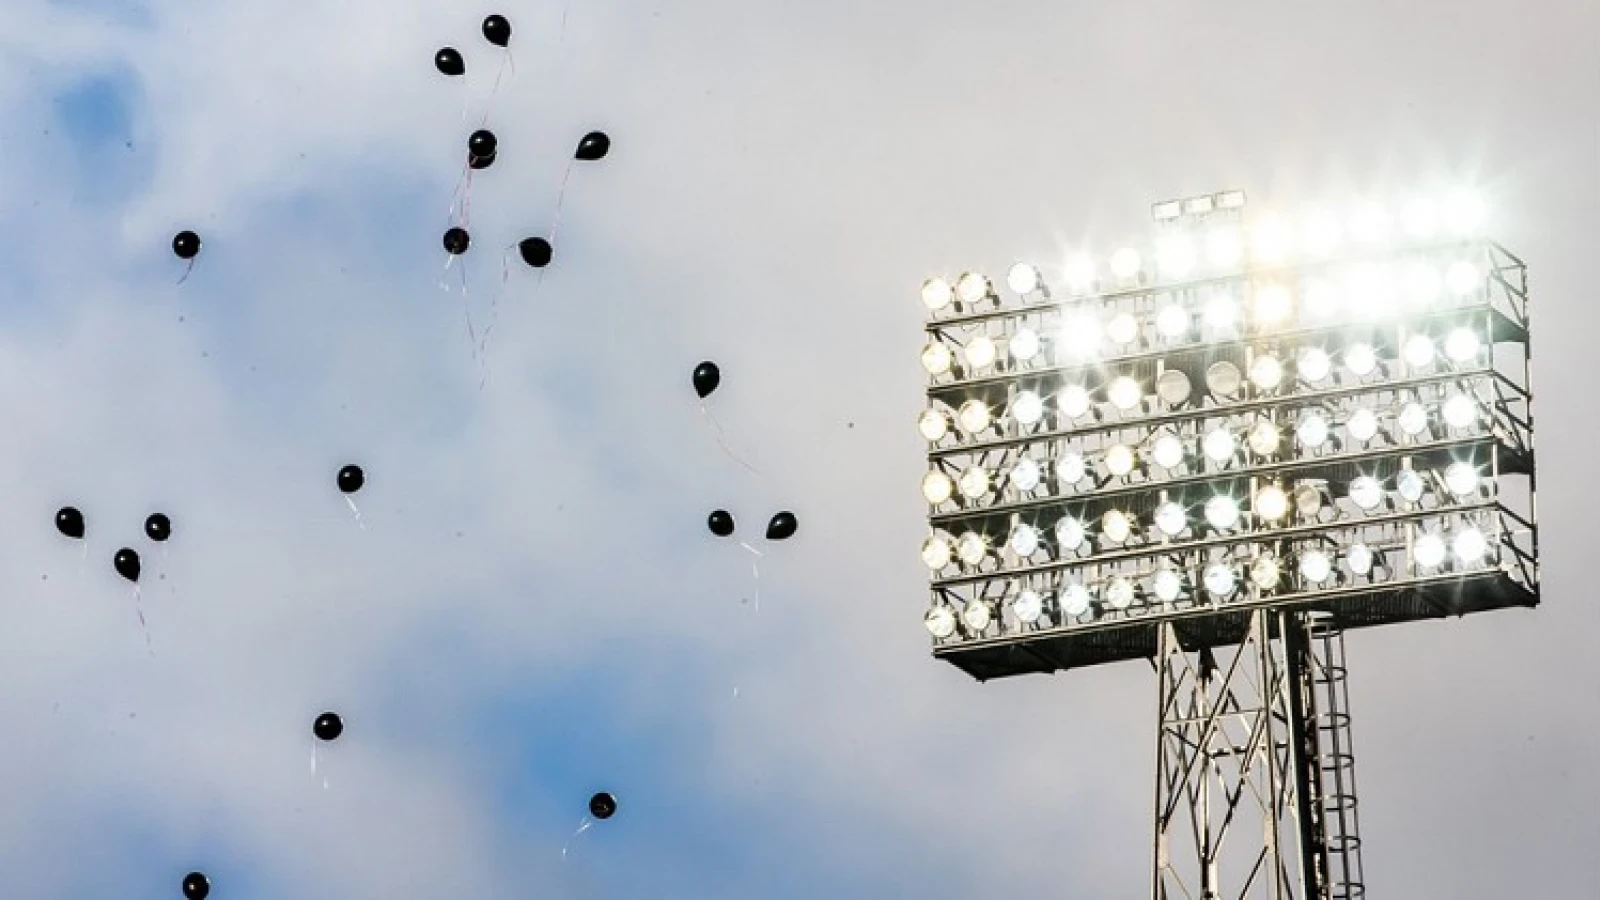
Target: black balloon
595 145
782 527
449 62
497 30
720 522
536 252
186 244
126 562
706 378
481 147
328 726
158 527
456 241
351 478
196 886
69 521
602 805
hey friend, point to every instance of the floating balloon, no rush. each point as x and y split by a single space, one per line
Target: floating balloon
126 562
69 522
481 147
720 522
456 241
196 886
782 527
328 726
186 244
595 145
535 252
158 527
351 478
497 30
602 805
706 378
449 62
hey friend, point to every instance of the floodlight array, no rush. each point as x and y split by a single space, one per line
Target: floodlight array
1289 421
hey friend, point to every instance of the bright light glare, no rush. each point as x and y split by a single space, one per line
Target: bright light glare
1270 241
977 615
936 552
974 482
937 293
981 352
1070 534
1313 430
1462 278
937 487
1462 479
1272 504
1470 546
1028 607
1266 372
940 621
1464 212
1168 585
1460 411
1409 485
1172 321
1080 335
1219 580
1413 418
972 548
1027 408
1263 438
933 425
1313 365
1315 566
1124 393
1073 400
1265 573
1119 593
1025 475
1419 351
1322 299
1420 219
1079 273
1222 512
1023 278
1371 223
1075 600
972 287
1024 345
1123 329
1422 283
1125 263
1024 541
973 417
1175 255
1170 519
1168 451
1363 425
1320 234
1361 359
1359 558
1071 469
936 358
1224 248
1222 311
1119 460
1116 526
1462 345
1273 304
1219 444
1429 551
1366 492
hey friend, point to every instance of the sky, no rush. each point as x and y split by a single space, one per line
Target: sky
530 608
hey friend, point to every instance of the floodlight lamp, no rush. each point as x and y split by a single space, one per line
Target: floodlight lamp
1320 234
1315 566
1023 279
974 483
936 358
1125 264
1175 256
937 487
1170 519
1172 321
940 621
1273 305
1371 223
971 548
1120 460
1413 419
1462 278
937 294
1025 475
1071 469
1075 600
1199 206
1070 533
1223 378
1123 329
1222 311
1462 345
1307 500
1116 526
1219 580
1313 430
1313 365
1073 401
1024 345
1224 248
973 417
1119 593
977 615
1460 411
1027 408
1222 513
1266 372
1363 425
1270 241
1366 492
981 352
1079 273
1220 444
1462 479
1167 585
1167 210
1470 546
1422 283
1361 359
1263 438
1322 299
1024 541
1080 335
1409 485
1124 393
937 552
1419 351
972 287
1168 450
1230 200
1265 573
1428 551
1359 558
1172 386
1028 606
1420 219
1464 212
1272 504
933 425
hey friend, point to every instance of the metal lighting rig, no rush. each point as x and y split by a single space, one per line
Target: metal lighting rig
1219 455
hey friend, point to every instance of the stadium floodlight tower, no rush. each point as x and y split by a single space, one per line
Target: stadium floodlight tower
1221 460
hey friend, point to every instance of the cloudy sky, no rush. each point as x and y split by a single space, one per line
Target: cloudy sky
533 610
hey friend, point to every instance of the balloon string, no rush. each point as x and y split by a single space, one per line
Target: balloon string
561 197
720 435
139 608
582 827
356 511
494 316
186 271
755 572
